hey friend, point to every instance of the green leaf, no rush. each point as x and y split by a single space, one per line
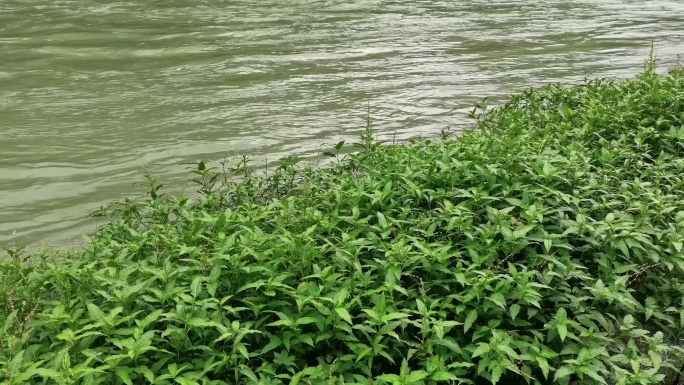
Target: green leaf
442 375
544 366
9 321
297 378
472 316
650 306
499 300
307 340
481 349
185 381
146 372
97 314
363 353
307 320
422 309
152 317
372 314
195 287
451 345
594 375
508 350
496 373
123 375
514 310
243 350
562 330
44 373
282 322
249 373
416 376
522 231
392 316
15 364
341 296
561 315
344 314
561 323
272 344
66 335
382 220
562 372
391 378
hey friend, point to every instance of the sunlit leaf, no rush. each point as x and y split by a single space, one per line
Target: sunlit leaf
344 314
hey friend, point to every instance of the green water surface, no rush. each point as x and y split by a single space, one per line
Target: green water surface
93 92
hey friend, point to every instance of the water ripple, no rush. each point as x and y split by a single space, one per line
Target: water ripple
92 94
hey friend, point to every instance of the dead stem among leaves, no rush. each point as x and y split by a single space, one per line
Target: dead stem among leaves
542 247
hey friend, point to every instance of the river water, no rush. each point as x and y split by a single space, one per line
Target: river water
92 92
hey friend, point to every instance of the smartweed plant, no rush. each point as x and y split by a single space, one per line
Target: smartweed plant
542 247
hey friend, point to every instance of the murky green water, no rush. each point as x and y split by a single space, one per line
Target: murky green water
93 92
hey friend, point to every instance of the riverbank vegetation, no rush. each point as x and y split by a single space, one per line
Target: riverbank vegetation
544 246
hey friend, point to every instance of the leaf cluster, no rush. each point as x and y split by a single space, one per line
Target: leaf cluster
544 246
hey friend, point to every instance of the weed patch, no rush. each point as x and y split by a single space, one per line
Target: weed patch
544 246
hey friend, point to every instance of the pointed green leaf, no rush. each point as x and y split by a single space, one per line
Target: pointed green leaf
522 231
152 317
282 322
307 340
442 375
563 371
382 220
344 314
185 381
249 373
389 378
395 315
416 375
15 364
146 372
496 374
514 310
97 314
422 309
308 320
472 316
594 375
195 286
481 349
561 315
562 330
243 350
451 345
44 373
272 344
123 375
364 353
499 300
620 243
544 366
508 350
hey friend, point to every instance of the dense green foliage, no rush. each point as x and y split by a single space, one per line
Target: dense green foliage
544 246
